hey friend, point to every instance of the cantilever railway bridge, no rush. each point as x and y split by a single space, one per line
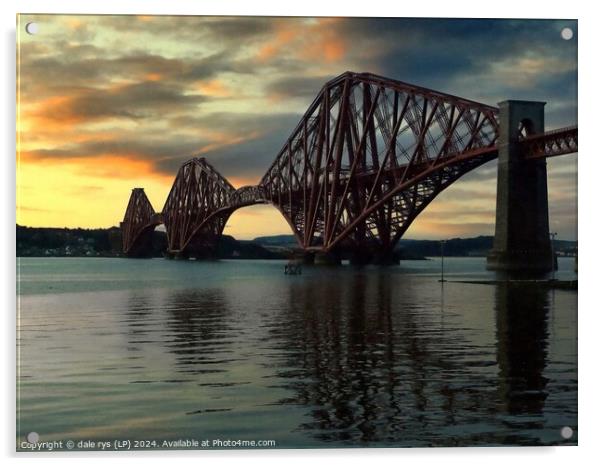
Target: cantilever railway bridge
367 157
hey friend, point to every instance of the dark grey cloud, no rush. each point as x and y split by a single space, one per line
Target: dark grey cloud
164 153
80 67
240 123
439 53
251 158
428 47
485 173
219 30
267 135
133 101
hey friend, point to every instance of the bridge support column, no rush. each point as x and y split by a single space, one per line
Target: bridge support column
385 258
522 234
307 258
142 247
360 256
327 258
179 255
365 256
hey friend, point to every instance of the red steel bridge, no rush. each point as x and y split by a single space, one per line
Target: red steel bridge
365 160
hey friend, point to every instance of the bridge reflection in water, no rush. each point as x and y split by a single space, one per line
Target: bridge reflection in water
367 364
388 376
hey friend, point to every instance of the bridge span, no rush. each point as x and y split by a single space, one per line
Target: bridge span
365 160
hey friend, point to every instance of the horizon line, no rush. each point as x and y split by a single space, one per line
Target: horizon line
284 234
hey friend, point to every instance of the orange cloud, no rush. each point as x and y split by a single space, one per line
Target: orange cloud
103 165
57 113
153 76
318 41
284 36
50 136
214 88
75 23
110 166
324 44
129 101
53 111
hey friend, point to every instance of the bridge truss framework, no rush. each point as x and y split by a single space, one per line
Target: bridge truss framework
368 156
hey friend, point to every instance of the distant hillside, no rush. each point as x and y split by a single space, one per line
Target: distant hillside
230 248
410 248
278 240
61 242
80 242
461 247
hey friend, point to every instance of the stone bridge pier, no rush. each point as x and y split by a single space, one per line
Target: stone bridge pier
522 233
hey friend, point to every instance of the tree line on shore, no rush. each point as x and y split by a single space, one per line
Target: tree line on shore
106 242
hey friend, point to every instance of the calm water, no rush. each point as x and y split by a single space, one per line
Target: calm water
337 357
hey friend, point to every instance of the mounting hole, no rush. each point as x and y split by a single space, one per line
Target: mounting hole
33 437
566 33
31 28
566 432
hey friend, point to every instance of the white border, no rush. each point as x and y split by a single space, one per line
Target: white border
589 207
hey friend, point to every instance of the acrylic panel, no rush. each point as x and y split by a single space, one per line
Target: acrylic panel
273 233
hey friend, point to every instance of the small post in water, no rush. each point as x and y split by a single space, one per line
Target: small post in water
442 243
552 237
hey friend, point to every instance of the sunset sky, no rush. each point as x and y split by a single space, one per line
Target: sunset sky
108 103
